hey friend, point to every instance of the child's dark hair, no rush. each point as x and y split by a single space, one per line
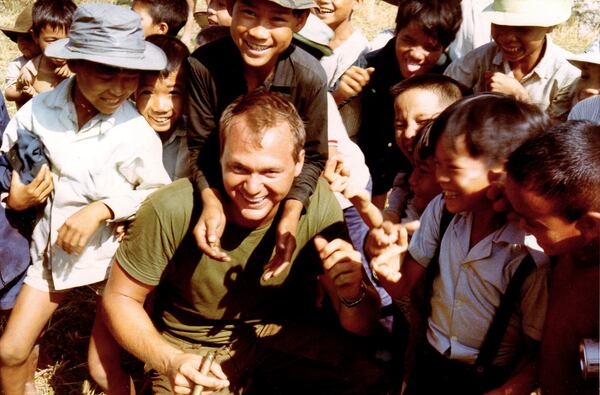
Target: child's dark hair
175 50
493 126
422 144
58 14
210 34
447 89
561 165
439 19
172 12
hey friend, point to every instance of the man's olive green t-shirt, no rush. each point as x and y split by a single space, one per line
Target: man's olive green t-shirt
203 300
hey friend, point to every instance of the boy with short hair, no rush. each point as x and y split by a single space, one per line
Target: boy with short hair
103 161
553 185
258 53
522 61
51 22
161 16
423 31
20 33
482 269
161 98
417 101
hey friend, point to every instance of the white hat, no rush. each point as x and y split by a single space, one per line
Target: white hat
591 55
543 13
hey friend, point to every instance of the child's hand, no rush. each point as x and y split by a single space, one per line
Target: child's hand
352 83
286 239
121 230
23 196
502 83
380 238
386 266
210 226
74 234
63 71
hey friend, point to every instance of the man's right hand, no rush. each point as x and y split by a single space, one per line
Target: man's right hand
210 226
184 374
23 196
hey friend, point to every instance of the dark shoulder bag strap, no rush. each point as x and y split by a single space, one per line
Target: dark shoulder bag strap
491 343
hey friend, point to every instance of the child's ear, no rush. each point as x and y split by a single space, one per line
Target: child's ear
300 20
589 225
161 28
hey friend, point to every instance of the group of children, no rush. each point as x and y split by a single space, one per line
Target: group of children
438 141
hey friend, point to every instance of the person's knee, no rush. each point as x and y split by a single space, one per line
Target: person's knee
13 353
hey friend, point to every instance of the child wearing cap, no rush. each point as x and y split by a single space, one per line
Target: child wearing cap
51 22
20 33
522 61
103 163
588 83
258 53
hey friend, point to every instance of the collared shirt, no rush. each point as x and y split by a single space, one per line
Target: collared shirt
113 158
13 69
176 154
548 84
217 79
588 109
474 30
468 289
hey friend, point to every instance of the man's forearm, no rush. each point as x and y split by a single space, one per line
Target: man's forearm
362 318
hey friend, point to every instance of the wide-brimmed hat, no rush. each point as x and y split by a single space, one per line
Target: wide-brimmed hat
22 24
111 35
591 55
543 13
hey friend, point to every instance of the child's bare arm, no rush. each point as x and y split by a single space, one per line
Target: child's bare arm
210 226
340 181
74 234
352 83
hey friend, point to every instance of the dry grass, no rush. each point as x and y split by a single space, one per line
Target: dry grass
62 368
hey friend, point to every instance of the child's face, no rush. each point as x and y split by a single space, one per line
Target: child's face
462 178
336 12
588 84
519 42
148 26
262 30
423 183
27 45
104 87
47 36
414 108
161 100
537 215
218 13
416 52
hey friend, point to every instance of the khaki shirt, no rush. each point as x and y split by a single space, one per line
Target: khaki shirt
548 84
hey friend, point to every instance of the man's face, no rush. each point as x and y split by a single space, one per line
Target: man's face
257 177
416 52
262 30
104 87
537 215
414 109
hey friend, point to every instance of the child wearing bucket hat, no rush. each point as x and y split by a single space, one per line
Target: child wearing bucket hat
104 160
522 61
588 84
20 33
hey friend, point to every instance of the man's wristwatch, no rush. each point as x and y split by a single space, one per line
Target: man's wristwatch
357 301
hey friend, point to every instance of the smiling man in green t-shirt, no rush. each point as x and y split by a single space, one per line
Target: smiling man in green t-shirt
283 332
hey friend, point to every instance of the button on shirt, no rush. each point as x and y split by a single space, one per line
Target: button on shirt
549 84
467 292
113 158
